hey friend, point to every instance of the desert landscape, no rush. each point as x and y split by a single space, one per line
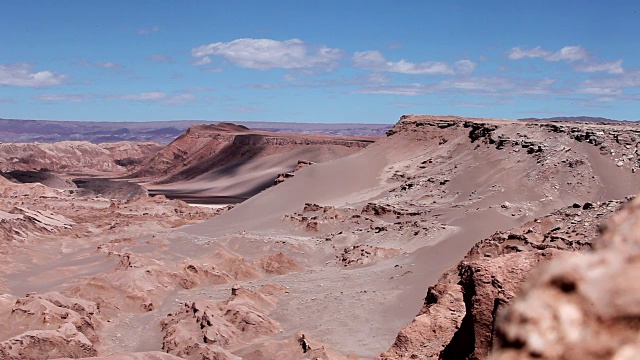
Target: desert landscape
445 238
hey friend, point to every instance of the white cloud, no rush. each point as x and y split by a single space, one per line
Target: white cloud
568 54
599 91
618 81
517 53
155 96
149 30
179 99
464 66
265 54
378 78
151 96
478 85
263 86
489 84
161 58
374 60
611 67
22 74
571 54
405 90
196 90
202 61
64 97
109 65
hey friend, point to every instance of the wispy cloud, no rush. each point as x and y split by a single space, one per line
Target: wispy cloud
7 101
64 97
517 53
202 61
473 85
263 86
599 91
161 58
154 96
109 65
567 53
148 96
196 90
374 60
265 54
572 54
149 30
611 67
613 85
22 74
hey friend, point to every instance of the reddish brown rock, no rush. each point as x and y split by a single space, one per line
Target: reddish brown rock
582 306
208 329
488 278
430 332
66 341
278 264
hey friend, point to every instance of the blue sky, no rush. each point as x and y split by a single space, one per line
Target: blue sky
318 61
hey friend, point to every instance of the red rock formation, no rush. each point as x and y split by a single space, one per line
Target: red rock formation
581 306
206 329
74 156
457 319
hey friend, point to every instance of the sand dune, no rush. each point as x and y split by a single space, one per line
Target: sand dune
229 163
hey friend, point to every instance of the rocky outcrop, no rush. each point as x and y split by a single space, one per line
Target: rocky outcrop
458 317
138 283
429 333
278 264
284 176
56 326
364 254
204 329
74 156
66 341
581 306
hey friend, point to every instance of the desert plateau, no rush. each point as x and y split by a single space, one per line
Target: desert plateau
233 243
319 180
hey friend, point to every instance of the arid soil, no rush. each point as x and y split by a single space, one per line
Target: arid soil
412 247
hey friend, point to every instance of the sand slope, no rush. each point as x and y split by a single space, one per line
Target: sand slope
230 163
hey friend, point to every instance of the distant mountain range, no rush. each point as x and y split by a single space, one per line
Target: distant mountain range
163 132
576 119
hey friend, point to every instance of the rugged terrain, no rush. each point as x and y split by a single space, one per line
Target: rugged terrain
75 157
409 247
163 132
